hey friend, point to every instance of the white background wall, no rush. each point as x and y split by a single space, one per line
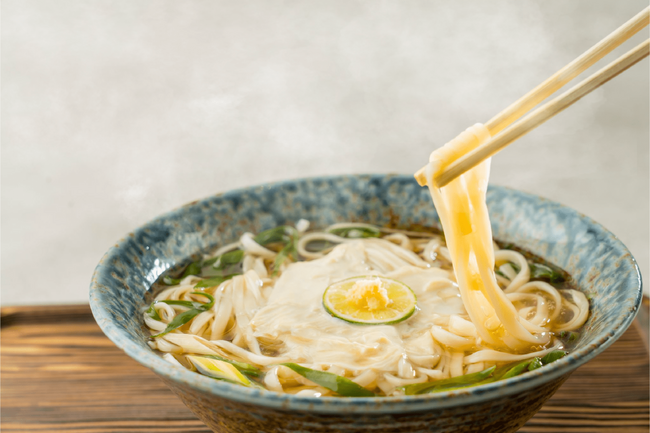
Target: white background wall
117 111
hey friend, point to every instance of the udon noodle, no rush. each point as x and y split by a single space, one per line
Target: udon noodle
287 309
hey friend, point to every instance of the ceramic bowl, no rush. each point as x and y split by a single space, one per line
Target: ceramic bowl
600 264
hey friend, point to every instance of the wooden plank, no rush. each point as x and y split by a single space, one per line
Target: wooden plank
59 373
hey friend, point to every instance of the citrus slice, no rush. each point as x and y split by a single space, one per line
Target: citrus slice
370 300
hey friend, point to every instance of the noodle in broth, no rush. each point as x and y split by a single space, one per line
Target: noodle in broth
272 314
370 311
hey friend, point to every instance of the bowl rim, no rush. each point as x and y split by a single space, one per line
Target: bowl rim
366 405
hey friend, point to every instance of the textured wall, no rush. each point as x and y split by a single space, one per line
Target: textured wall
117 111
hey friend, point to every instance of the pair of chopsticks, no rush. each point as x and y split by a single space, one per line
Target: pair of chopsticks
502 127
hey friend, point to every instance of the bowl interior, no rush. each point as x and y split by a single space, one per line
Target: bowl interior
600 264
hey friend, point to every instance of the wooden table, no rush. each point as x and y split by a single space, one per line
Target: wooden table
61 374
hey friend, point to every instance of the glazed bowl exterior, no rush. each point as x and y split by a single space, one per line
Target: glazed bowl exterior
599 263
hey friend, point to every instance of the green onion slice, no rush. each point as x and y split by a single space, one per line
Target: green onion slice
245 368
214 281
539 271
340 385
535 364
277 234
171 281
230 258
218 369
181 319
516 370
355 232
553 356
445 384
193 268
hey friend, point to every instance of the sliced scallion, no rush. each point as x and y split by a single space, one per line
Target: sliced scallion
184 317
245 368
213 281
539 271
553 356
339 384
171 281
445 384
535 364
218 369
193 268
516 370
274 235
229 258
356 232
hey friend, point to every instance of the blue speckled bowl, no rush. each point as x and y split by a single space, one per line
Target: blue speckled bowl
598 261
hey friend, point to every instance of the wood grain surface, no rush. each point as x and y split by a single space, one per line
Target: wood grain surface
59 373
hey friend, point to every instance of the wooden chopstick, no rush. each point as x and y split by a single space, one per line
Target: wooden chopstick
517 109
542 114
506 117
